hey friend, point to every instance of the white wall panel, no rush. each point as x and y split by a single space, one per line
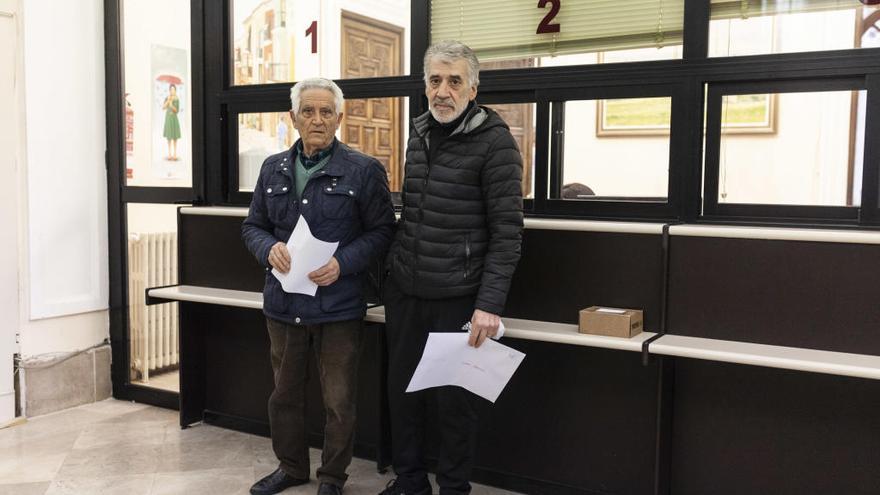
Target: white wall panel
67 199
9 207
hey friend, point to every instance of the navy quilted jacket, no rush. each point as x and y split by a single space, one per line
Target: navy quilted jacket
346 201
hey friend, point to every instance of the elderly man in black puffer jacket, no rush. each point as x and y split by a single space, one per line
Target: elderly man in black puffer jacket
451 262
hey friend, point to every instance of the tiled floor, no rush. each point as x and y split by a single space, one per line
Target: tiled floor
115 447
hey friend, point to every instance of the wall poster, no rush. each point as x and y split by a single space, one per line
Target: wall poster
170 123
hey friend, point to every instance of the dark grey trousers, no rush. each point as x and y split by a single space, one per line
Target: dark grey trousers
408 320
336 347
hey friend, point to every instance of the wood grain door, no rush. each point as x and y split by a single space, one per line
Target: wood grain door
373 125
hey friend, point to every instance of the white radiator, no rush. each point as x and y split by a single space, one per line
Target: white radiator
152 262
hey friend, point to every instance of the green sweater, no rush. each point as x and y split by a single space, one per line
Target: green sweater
303 174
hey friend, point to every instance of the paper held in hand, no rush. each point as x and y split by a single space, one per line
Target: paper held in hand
449 360
307 254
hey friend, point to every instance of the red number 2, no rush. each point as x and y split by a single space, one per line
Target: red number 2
313 32
545 26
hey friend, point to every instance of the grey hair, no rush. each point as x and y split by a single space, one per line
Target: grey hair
315 83
450 51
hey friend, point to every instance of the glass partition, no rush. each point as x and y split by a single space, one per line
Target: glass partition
158 93
809 155
277 41
616 149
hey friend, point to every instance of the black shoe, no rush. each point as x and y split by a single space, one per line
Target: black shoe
276 482
329 489
395 488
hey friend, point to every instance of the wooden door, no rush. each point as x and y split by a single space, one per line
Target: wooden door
373 125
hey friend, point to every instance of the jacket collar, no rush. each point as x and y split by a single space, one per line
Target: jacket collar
335 167
475 117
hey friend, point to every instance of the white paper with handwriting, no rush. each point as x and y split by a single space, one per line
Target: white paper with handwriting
307 254
449 360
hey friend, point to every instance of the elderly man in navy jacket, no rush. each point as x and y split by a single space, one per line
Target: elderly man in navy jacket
344 197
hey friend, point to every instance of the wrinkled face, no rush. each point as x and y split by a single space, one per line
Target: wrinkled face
316 120
447 89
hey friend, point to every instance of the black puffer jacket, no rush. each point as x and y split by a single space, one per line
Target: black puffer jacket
461 226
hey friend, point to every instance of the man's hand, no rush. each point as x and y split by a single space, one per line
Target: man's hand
327 274
483 325
279 258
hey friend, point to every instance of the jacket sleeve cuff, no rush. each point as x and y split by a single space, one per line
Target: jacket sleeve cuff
342 262
489 307
264 253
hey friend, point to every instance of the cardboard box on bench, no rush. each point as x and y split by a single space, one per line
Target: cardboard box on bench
610 322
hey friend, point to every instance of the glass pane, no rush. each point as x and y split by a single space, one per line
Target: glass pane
158 93
843 25
808 156
290 40
260 135
375 126
520 117
617 149
152 262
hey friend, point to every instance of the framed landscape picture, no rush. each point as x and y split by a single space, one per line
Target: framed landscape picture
740 114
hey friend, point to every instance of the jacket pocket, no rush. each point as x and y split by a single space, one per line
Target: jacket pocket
338 202
278 198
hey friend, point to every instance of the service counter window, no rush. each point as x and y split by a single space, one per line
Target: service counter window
277 41
610 151
376 126
753 27
616 149
785 149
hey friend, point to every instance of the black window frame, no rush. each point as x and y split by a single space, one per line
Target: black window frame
120 194
743 211
549 201
215 101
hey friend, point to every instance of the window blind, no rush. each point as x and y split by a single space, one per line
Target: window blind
732 9
499 29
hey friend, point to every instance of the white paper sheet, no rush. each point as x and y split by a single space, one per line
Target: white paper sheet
307 254
449 360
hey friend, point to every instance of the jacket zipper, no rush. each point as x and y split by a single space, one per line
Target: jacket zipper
467 255
421 212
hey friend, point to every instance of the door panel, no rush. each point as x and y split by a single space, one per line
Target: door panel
373 49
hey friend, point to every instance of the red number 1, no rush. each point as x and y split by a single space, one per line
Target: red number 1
313 32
